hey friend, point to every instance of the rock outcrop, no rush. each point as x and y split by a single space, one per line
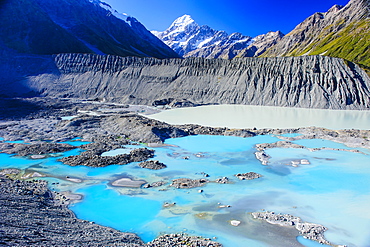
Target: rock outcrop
248 176
152 164
187 183
223 180
308 81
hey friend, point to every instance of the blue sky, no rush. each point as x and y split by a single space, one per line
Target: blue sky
249 17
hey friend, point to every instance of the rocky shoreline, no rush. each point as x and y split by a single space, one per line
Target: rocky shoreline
307 230
32 215
35 149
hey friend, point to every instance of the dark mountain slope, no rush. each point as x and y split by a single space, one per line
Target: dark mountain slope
78 26
26 28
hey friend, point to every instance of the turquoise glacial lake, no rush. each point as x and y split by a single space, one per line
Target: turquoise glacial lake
333 190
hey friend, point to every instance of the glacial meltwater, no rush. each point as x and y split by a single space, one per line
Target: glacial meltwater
248 116
333 190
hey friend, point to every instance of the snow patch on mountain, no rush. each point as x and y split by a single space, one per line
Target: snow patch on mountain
204 42
123 16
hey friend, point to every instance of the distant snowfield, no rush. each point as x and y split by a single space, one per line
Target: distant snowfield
247 116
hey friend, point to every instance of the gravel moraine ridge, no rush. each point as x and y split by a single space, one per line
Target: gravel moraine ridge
305 81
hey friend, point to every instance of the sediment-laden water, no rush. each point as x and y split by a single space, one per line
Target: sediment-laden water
248 116
333 190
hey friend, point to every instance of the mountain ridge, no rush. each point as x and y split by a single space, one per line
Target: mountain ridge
47 27
307 81
342 31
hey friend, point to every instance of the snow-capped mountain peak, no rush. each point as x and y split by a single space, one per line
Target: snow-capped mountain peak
182 21
185 36
182 24
189 39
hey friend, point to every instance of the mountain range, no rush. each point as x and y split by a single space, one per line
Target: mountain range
189 39
342 31
45 27
85 49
